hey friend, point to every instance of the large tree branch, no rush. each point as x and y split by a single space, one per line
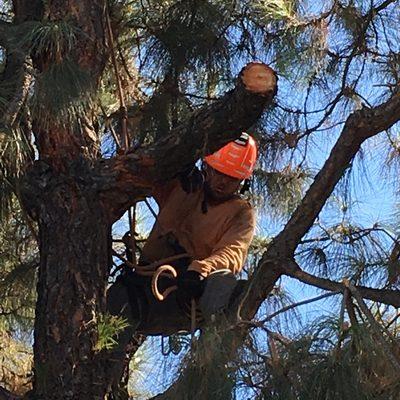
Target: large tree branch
131 176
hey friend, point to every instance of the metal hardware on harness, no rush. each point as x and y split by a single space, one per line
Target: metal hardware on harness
175 344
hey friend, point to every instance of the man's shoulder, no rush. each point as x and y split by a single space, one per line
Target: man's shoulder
242 206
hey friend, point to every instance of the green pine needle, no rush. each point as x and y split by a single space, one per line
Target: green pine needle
63 93
108 328
55 39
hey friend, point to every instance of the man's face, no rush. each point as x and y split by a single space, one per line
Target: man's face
220 187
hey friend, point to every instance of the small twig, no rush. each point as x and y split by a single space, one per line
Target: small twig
151 209
350 310
392 321
123 259
112 131
261 324
301 303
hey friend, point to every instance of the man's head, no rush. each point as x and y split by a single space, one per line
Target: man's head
229 166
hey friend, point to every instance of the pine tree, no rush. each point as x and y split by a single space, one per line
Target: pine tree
101 100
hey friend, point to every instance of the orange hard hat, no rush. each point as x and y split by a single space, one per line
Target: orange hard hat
236 159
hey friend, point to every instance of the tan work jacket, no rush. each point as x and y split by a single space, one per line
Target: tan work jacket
217 239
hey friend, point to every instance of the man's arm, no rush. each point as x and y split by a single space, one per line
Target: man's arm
231 251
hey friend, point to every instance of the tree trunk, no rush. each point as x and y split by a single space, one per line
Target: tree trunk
74 249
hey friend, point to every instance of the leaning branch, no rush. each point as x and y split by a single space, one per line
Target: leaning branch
360 126
131 176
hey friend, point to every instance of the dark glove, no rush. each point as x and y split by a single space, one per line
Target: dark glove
190 285
191 180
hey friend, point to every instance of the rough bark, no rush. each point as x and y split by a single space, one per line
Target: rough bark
74 249
74 231
61 141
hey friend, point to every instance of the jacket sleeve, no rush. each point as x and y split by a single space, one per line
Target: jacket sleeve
231 250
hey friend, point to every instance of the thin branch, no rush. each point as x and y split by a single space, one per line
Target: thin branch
123 110
300 303
360 125
391 297
382 6
392 321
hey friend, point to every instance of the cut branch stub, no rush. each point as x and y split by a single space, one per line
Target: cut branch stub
259 78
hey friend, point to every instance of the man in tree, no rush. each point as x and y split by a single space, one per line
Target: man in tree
204 220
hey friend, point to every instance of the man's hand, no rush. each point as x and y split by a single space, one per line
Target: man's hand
190 285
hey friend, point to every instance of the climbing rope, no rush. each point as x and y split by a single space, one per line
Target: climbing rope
168 271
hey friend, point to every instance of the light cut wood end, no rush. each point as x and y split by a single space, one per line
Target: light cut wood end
259 78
